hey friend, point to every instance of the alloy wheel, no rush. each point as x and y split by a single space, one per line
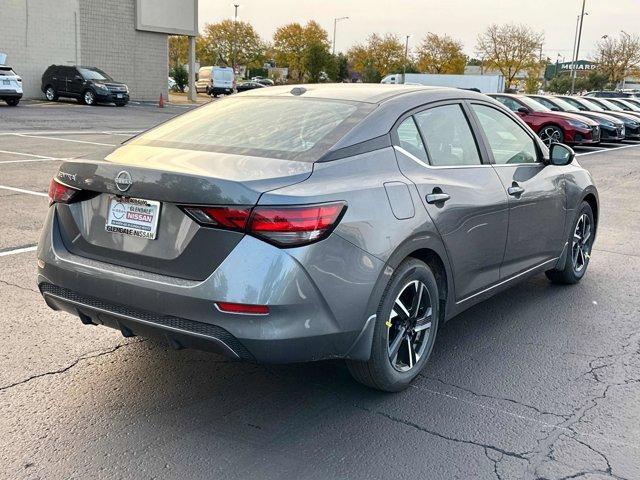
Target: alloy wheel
88 98
50 94
551 135
409 326
581 246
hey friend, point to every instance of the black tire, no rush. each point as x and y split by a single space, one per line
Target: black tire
50 93
579 250
120 104
13 102
380 371
551 134
88 97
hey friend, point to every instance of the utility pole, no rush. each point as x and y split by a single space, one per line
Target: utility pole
235 39
406 55
573 79
335 24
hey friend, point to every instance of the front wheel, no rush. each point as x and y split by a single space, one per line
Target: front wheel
405 329
551 134
580 244
89 98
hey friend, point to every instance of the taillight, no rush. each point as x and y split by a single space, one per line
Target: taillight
285 226
293 226
234 218
243 308
59 193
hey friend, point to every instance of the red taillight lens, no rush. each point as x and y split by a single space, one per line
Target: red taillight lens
293 226
242 308
59 193
234 218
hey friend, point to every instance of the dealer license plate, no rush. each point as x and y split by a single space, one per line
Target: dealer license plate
6 82
133 216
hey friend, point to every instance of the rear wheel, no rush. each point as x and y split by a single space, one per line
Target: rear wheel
405 330
88 98
13 102
50 94
551 134
580 244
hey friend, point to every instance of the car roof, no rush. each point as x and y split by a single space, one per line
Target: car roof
355 92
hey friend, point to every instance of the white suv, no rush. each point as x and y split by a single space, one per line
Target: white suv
10 86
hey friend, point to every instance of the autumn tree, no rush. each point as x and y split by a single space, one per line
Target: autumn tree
509 49
618 57
440 54
221 42
377 57
178 50
300 46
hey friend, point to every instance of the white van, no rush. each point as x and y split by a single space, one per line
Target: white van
215 81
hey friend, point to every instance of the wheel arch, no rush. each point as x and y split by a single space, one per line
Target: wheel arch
592 200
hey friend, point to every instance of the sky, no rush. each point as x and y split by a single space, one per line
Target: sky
461 19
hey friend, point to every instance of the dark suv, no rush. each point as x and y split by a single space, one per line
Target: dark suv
87 84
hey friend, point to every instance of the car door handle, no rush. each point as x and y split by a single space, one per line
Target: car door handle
437 197
515 190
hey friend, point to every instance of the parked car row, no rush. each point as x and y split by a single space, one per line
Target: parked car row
10 86
89 85
576 120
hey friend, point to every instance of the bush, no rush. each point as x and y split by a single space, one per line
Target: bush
181 76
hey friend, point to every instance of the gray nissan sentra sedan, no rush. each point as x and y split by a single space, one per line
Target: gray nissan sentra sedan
292 224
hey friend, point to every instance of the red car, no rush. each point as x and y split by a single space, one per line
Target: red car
551 127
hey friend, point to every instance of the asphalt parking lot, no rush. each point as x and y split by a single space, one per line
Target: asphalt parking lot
541 381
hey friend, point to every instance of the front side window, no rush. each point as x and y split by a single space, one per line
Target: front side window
410 140
510 103
509 143
448 137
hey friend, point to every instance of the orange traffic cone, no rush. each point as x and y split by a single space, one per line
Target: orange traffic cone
161 102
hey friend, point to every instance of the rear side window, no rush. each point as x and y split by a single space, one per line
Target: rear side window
409 139
448 137
510 103
260 126
509 143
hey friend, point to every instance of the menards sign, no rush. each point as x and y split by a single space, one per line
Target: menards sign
554 69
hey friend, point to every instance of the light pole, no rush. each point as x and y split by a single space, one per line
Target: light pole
573 79
335 24
624 73
406 55
235 39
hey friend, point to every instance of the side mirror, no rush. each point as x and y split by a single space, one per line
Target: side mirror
560 154
555 109
79 77
524 110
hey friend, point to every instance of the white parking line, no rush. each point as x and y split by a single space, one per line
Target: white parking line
31 160
15 251
606 150
22 190
73 132
65 140
26 155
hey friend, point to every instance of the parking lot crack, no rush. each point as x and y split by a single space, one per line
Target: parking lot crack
69 366
9 284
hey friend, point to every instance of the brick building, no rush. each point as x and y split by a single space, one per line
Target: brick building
99 33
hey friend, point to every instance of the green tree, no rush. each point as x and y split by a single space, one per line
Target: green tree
291 45
221 41
509 49
178 50
317 59
440 54
180 75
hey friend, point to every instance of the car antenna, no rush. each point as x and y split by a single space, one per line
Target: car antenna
297 91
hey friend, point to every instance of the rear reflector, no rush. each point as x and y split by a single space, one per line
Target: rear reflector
293 226
242 308
59 193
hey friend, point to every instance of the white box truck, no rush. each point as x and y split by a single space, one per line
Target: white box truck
483 83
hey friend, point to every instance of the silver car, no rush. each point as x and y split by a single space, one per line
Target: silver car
292 224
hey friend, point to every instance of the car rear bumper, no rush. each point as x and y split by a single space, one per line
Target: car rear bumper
303 324
10 95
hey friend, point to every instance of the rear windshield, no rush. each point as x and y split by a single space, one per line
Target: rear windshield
4 72
259 126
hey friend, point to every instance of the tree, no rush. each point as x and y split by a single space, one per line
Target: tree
618 57
532 81
220 41
509 49
178 50
317 59
440 54
377 57
291 44
180 75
